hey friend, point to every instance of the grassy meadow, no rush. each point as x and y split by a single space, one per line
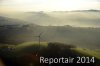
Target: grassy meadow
28 53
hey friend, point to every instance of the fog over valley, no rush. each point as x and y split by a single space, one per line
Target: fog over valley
59 18
77 28
49 32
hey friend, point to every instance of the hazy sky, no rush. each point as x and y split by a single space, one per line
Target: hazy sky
47 5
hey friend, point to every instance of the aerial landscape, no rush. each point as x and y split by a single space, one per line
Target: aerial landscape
35 33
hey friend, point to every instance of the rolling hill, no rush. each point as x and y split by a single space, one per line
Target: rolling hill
19 37
31 24
79 36
26 54
10 21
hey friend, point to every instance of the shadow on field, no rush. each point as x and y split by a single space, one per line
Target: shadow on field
30 55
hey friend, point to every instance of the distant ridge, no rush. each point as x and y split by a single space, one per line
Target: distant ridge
12 21
90 10
78 18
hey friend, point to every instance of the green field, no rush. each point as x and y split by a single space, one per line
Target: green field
84 51
27 51
90 52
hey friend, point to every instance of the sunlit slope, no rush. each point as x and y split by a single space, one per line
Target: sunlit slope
94 53
26 44
31 46
28 51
